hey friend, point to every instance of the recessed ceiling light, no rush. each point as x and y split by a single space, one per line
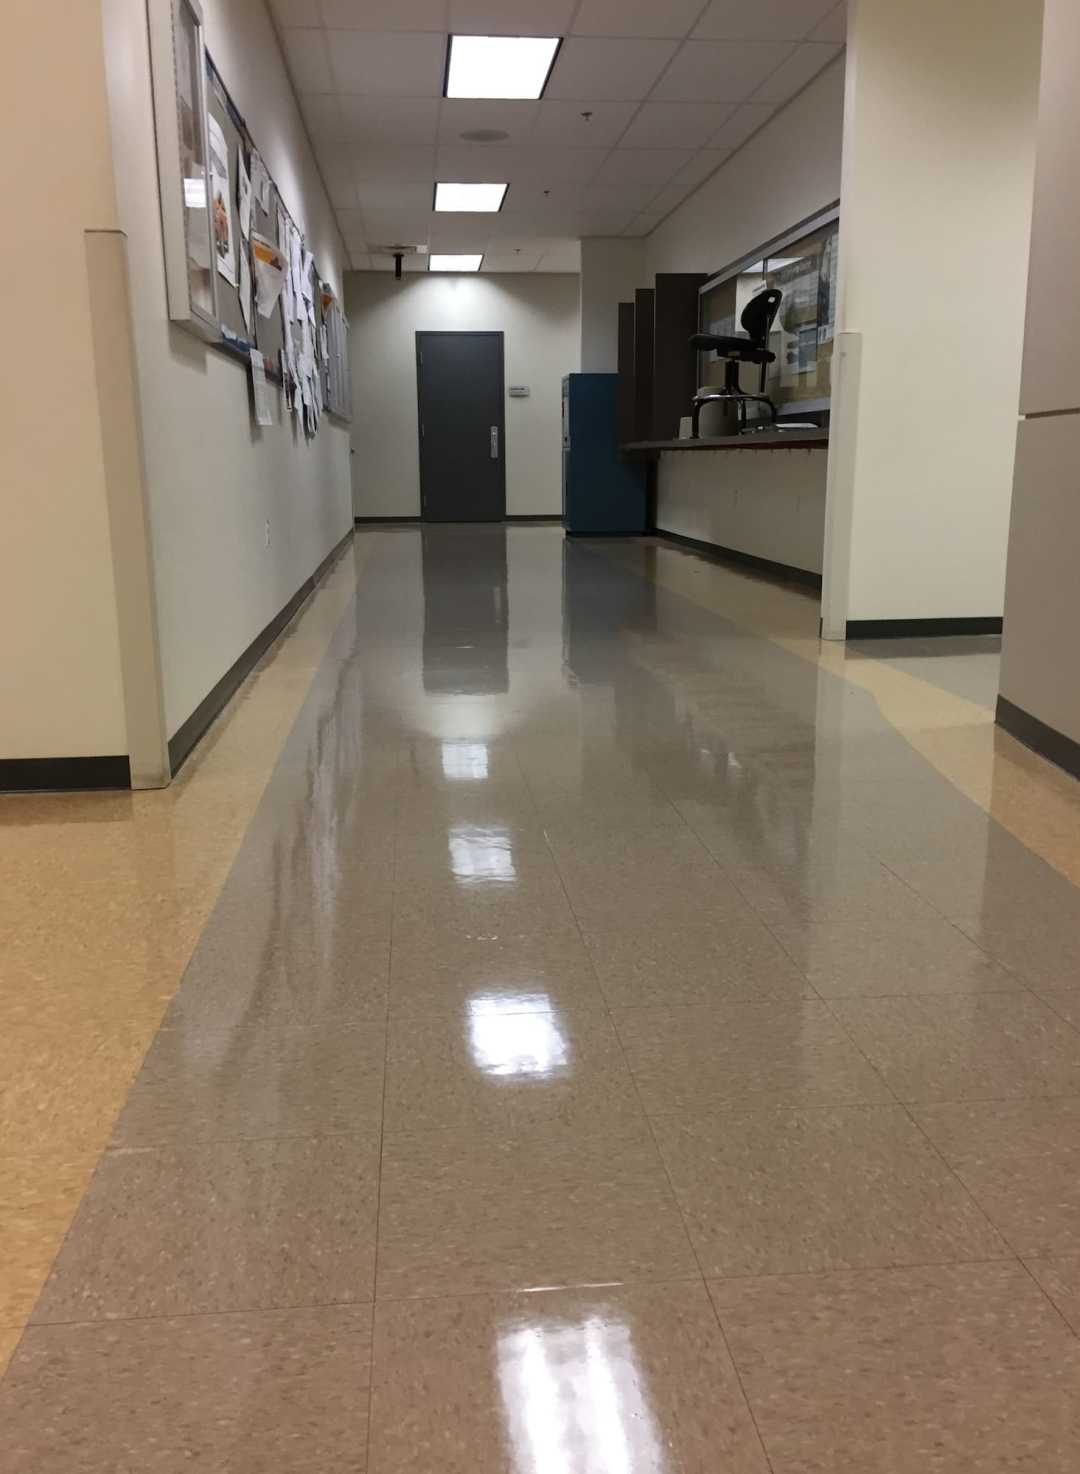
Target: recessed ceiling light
484 199
437 262
499 66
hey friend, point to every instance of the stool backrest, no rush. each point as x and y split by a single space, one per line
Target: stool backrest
759 314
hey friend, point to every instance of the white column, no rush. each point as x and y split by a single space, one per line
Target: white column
611 270
938 164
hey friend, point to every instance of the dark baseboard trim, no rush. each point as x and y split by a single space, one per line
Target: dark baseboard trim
787 571
189 733
898 629
532 517
387 521
1048 742
618 532
63 774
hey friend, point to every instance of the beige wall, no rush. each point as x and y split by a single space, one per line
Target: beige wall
1040 668
60 676
539 315
611 270
214 479
939 150
787 171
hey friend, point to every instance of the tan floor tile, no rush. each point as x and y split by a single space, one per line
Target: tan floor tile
1021 1162
284 1390
1037 950
499 1069
433 973
780 1190
226 1226
615 1378
1059 1276
9 1340
691 1059
840 890
256 1082
976 1046
698 963
965 1370
778 834
868 960
557 1204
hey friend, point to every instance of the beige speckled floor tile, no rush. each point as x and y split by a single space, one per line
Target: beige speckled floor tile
498 1069
781 1190
544 1205
256 1082
965 1369
875 959
594 1381
240 1394
1021 1162
690 1059
976 1046
698 963
1059 1276
837 890
226 1226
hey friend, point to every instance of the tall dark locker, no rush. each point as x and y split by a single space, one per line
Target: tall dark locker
601 492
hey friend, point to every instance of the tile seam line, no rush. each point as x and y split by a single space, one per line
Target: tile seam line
701 1277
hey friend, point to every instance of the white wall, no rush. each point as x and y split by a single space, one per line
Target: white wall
1040 670
787 171
611 271
214 478
539 316
60 673
938 168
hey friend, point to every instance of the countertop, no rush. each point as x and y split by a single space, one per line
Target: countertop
762 440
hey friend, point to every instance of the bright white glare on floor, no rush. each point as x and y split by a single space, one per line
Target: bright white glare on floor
507 1043
481 854
454 263
465 762
469 199
499 66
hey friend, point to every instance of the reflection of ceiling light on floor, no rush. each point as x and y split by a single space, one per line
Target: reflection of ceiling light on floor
481 854
505 1043
465 761
574 1399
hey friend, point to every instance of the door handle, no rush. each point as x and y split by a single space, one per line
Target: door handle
494 442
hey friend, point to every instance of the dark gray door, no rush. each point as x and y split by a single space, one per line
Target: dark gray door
459 382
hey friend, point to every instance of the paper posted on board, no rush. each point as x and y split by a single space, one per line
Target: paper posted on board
220 202
269 273
260 183
243 196
264 414
245 284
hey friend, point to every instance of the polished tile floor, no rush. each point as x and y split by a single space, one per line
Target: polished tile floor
618 1035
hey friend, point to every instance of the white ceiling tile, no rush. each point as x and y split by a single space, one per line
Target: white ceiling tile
512 261
459 233
607 222
720 71
510 17
562 123
552 166
833 27
386 228
391 120
636 17
761 20
611 70
603 198
465 115
361 261
742 123
351 222
676 124
792 75
374 64
474 163
529 196
386 197
322 116
385 15
411 164
410 262
296 12
642 166
643 224
688 178
562 258
308 62
464 163
337 172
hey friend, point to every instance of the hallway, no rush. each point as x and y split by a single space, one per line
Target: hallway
631 1038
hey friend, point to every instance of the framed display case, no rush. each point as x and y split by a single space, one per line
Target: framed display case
178 61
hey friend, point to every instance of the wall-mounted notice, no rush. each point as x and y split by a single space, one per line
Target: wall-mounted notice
264 414
243 195
220 196
269 273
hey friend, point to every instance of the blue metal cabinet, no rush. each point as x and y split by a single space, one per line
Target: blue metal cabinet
601 492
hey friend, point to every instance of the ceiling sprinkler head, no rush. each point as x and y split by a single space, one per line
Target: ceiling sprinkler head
587 116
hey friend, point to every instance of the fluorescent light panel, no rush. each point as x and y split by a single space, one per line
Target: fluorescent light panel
499 66
438 261
476 199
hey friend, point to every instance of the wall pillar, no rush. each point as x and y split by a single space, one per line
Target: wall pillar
611 270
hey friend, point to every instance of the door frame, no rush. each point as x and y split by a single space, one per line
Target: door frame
497 333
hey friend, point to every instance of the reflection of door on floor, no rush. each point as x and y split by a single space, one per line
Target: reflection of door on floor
459 385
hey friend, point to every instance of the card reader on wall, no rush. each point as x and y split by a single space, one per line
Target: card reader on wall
519 391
